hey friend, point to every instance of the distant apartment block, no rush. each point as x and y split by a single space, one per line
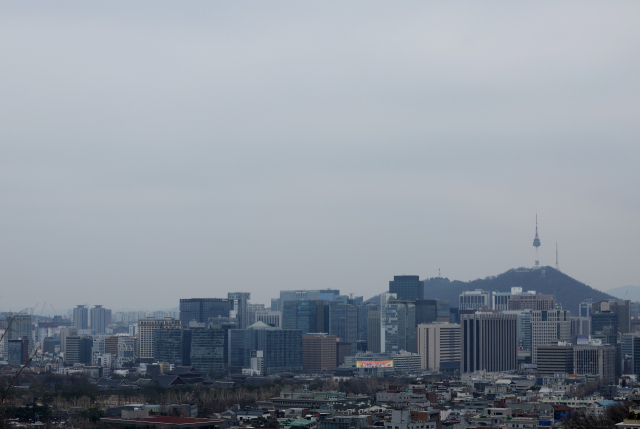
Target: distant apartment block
81 317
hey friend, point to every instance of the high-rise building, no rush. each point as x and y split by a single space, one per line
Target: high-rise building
18 326
363 317
474 300
454 316
318 352
81 317
531 301
111 345
548 327
323 318
300 315
98 347
207 350
584 308
146 328
252 310
343 350
343 323
49 345
270 317
64 334
489 342
98 319
595 360
374 329
225 328
600 321
18 351
282 348
635 310
443 311
202 309
524 328
621 308
580 327
426 311
398 324
305 295
126 349
240 301
635 363
500 300
627 352
78 350
555 359
407 287
439 346
172 346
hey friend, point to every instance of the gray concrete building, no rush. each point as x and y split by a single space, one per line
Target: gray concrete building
595 360
547 327
555 359
438 345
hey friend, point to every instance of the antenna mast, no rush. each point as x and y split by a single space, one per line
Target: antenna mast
557 266
536 242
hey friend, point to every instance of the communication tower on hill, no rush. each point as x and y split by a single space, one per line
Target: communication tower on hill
536 242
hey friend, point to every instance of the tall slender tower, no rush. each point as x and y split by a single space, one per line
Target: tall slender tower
536 242
557 266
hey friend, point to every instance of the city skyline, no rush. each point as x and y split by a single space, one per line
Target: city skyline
204 148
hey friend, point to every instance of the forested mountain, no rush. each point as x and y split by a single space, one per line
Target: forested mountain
567 291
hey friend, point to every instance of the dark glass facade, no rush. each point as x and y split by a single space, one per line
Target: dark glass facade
17 352
443 310
201 309
363 314
300 315
282 349
78 350
322 316
600 321
343 323
426 311
290 315
407 287
207 350
172 346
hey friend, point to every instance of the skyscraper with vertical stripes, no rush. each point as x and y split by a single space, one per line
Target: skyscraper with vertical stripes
489 342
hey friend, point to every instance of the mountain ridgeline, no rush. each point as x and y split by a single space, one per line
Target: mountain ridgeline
567 291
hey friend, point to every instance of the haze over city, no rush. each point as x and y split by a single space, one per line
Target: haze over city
153 151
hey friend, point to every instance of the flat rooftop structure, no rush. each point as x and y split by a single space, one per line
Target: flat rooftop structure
165 421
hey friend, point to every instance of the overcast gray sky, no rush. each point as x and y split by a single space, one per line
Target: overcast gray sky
153 151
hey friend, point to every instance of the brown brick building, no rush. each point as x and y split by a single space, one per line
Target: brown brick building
318 352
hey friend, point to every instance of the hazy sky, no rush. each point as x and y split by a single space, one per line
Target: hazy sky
152 151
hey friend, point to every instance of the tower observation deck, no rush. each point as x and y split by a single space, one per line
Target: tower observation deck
536 242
